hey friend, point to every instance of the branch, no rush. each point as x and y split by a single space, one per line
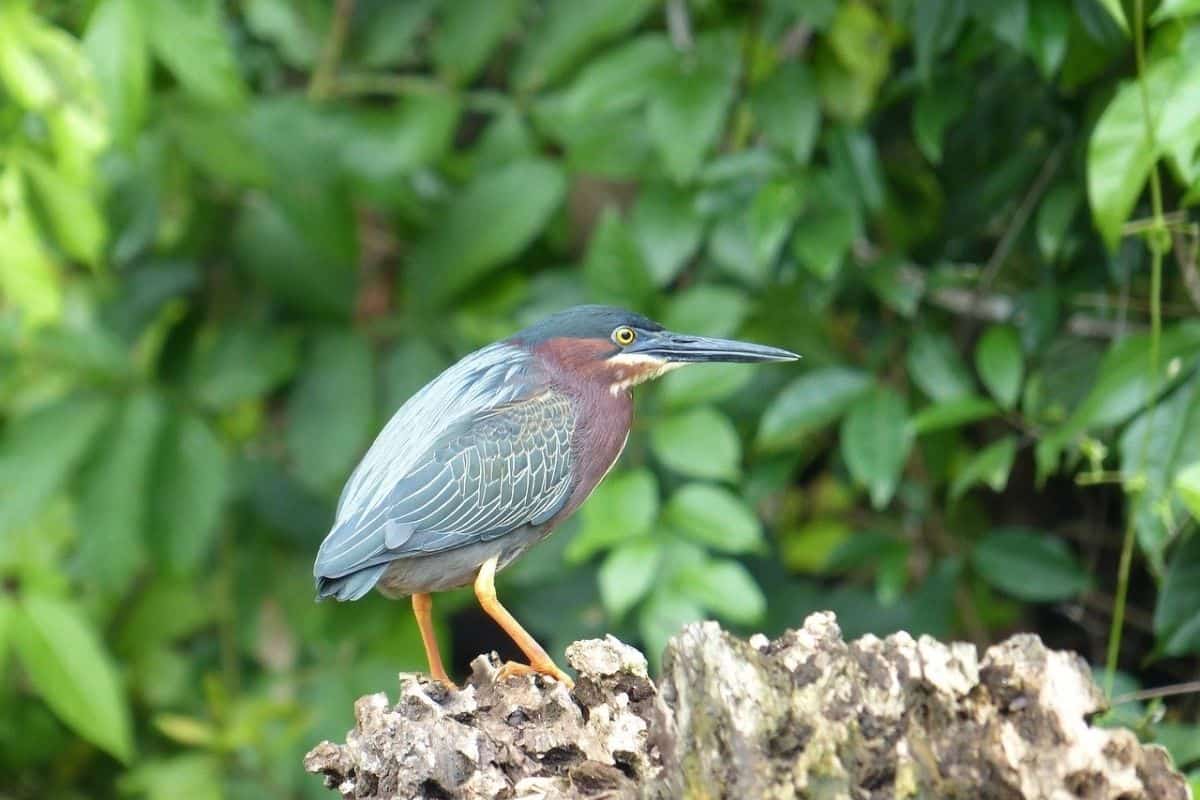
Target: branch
806 715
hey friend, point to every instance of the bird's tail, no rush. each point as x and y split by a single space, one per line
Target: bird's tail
349 587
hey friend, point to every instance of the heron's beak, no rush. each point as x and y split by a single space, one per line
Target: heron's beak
678 348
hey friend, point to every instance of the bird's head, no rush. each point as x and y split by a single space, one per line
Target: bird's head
623 349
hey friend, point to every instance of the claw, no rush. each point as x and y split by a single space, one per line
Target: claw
549 670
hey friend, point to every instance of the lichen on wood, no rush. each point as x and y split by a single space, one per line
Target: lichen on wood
806 715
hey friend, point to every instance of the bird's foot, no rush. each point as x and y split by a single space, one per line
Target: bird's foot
548 669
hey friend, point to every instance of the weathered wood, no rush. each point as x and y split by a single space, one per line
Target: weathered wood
807 715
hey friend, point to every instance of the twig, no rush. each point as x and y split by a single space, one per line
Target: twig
321 83
679 24
1187 244
1191 687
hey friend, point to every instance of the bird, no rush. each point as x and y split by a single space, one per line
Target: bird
493 454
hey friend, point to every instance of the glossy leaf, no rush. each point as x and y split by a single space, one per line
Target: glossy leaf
568 31
1029 565
700 443
990 466
188 37
935 365
788 107
1187 485
714 517
1177 613
726 588
809 403
627 573
875 442
68 666
191 483
953 413
1000 363
116 45
622 508
468 33
667 229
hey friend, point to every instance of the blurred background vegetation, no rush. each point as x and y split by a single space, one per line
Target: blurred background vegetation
234 237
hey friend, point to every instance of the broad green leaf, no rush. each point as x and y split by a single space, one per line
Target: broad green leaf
1187 485
627 573
1000 363
66 662
385 37
876 439
699 443
385 145
295 28
714 517
40 450
72 210
850 72
489 222
687 113
240 362
114 489
825 232
613 267
190 486
1120 155
952 413
937 107
198 775
1054 219
1049 27
990 466
662 616
788 108
1177 612
935 25
702 383
29 278
622 508
707 310
724 587
617 81
809 403
1174 9
189 38
1029 565
1114 8
810 547
331 411
115 43
667 228
567 32
468 33
935 365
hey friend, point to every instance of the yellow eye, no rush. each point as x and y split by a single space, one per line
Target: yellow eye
624 335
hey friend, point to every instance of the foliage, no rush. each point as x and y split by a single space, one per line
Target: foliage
235 237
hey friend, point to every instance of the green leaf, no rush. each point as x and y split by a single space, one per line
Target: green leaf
1029 565
622 508
1054 219
613 267
876 441
489 222
990 466
385 37
332 409
936 108
699 443
567 32
661 617
1187 485
191 484
714 517
809 403
40 450
952 414
1119 154
826 230
1177 613
1000 363
115 43
687 113
1049 27
935 365
72 210
936 25
788 108
707 309
29 278
240 362
67 665
295 28
627 573
468 33
114 492
702 383
1114 8
189 38
667 229
617 81
1175 9
381 146
724 587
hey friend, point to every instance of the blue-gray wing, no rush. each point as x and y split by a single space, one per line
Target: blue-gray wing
485 476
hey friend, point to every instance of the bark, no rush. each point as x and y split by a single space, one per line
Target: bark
807 715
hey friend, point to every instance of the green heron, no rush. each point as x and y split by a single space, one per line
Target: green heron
484 461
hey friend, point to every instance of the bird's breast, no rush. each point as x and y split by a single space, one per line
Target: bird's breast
602 422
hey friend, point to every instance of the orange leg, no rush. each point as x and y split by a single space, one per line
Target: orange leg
539 661
422 610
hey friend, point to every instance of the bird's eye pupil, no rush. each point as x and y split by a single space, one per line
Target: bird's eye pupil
624 335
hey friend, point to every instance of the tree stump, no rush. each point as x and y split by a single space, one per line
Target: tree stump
807 715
